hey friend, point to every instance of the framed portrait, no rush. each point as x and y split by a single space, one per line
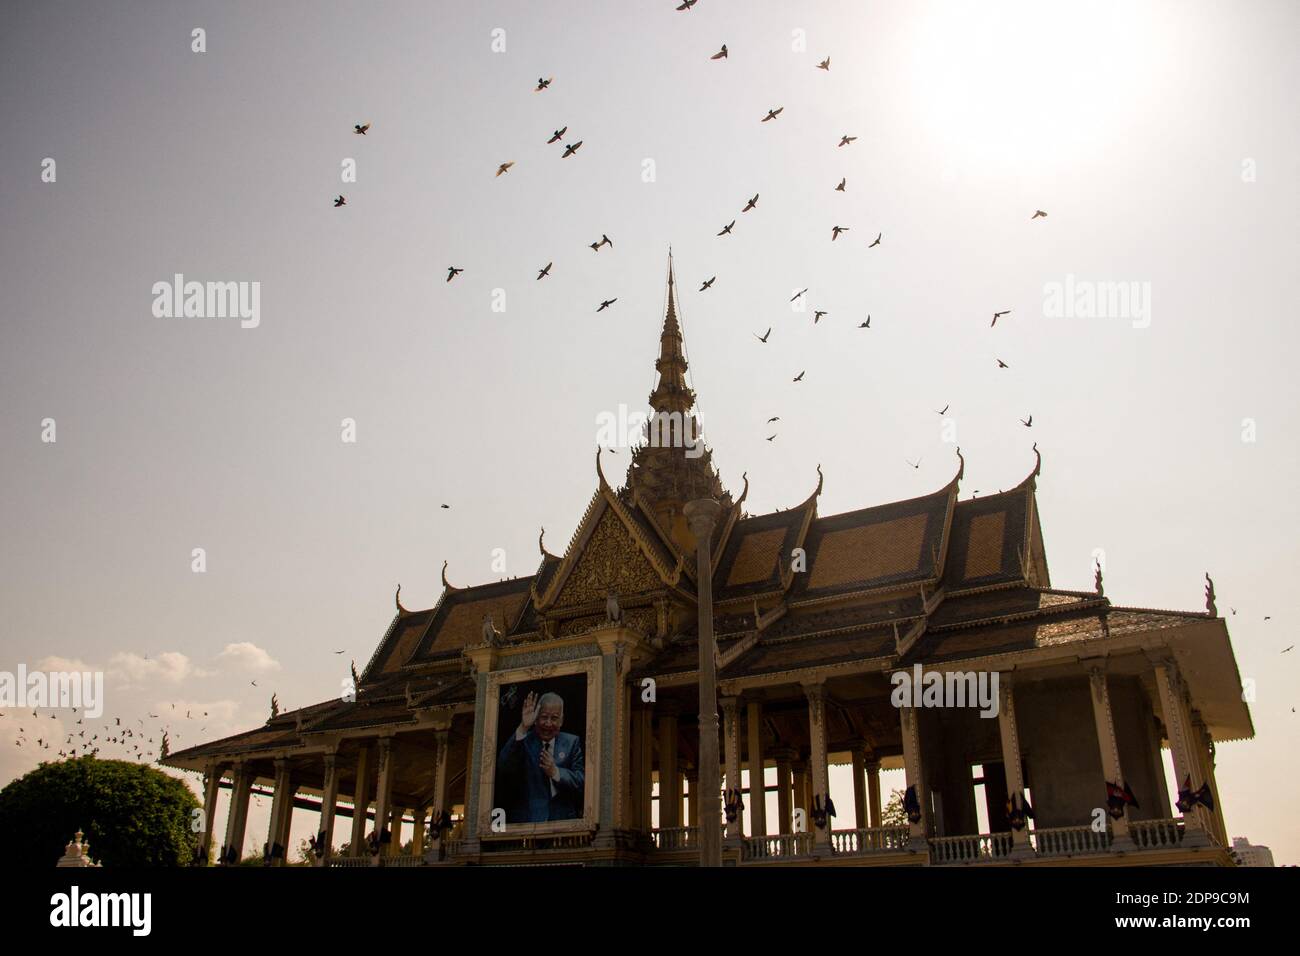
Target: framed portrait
541 751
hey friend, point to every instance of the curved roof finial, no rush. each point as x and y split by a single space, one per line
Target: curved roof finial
541 547
744 476
397 599
445 583
820 478
961 465
600 472
1038 461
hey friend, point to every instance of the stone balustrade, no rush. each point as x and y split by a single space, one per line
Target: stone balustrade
974 848
870 840
1069 841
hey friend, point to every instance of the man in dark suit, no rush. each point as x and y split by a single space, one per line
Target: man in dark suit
540 770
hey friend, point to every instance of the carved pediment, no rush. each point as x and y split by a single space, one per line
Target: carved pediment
610 558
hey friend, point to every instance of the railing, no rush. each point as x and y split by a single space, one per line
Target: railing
870 840
977 848
1156 834
404 861
351 861
1069 841
783 845
676 838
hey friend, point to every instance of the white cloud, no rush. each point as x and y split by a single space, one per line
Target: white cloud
171 666
248 656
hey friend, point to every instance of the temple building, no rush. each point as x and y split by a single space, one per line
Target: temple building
556 718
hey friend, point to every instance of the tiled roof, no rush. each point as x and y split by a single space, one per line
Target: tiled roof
757 550
989 537
875 547
459 618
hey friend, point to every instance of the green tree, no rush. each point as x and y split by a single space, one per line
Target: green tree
893 814
132 814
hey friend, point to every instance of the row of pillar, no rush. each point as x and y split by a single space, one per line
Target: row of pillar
800 783
1189 741
378 779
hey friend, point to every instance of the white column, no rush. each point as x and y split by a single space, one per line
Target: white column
909 721
816 694
873 791
731 754
278 800
211 790
384 791
1011 764
757 781
360 802
329 801
1110 765
1170 683
859 754
237 820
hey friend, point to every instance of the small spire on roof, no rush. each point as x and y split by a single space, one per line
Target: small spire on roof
397 599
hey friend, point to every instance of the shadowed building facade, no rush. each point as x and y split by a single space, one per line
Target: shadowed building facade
810 617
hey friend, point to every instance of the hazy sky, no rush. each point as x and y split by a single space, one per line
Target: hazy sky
1160 138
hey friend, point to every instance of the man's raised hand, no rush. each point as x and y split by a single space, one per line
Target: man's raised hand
529 714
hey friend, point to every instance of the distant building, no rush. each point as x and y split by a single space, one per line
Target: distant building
555 717
1251 855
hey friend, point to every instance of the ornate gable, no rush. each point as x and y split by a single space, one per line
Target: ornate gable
610 558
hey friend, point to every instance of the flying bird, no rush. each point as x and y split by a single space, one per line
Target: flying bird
770 437
360 128
726 230
606 304
687 4
836 230
866 324
799 377
570 150
817 316
845 140
1038 214
772 114
774 418
825 65
762 338
797 294
840 187
1002 364
504 167
751 204
877 242
914 464
605 241
339 201
998 315
1291 648
556 136
452 272
543 273
595 247
1028 424
707 283
721 54
447 507
543 83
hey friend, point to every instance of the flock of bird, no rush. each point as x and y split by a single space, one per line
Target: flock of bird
129 743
